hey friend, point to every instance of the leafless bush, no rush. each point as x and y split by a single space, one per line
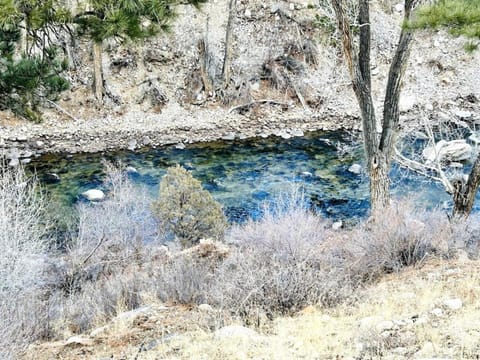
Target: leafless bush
401 236
23 243
116 229
281 264
103 262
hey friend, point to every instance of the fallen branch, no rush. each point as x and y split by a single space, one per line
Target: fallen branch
251 103
62 110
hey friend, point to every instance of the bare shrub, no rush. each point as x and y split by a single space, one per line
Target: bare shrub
281 264
103 262
23 243
186 210
402 236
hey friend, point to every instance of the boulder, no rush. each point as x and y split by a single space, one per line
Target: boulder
453 151
94 195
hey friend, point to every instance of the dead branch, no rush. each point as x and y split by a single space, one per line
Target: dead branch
60 109
251 103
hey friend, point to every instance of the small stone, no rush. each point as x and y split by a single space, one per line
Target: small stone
25 161
385 326
337 225
453 304
291 6
306 173
180 146
132 144
398 7
285 135
248 13
255 86
21 138
39 144
94 195
205 308
79 340
297 132
234 331
407 103
229 136
14 162
437 312
462 114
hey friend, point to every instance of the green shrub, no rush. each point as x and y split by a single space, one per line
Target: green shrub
186 210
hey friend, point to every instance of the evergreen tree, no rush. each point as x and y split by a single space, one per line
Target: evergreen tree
30 70
123 20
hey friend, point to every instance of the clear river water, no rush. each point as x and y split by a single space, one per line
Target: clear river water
243 175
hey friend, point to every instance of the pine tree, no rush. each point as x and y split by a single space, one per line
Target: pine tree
30 68
123 20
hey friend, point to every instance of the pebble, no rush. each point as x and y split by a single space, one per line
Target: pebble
453 304
355 169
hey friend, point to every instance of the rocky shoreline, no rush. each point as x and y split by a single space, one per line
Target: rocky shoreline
20 142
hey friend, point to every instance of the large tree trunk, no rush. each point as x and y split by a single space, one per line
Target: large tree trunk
378 167
378 150
97 71
464 194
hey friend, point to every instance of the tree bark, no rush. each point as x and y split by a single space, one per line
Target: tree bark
378 166
227 60
378 150
97 71
464 194
204 61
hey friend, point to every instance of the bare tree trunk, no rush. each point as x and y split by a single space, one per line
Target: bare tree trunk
378 151
97 71
227 60
22 44
464 194
204 61
378 167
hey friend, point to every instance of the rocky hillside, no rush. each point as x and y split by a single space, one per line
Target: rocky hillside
287 75
431 312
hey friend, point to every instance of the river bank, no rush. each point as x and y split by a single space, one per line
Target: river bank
22 140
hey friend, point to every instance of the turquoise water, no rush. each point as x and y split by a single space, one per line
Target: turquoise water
242 175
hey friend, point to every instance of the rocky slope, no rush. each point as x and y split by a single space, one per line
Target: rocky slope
283 51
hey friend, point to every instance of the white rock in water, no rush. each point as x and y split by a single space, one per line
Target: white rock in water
94 195
131 170
455 150
355 169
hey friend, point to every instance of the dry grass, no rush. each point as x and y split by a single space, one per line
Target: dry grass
359 331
